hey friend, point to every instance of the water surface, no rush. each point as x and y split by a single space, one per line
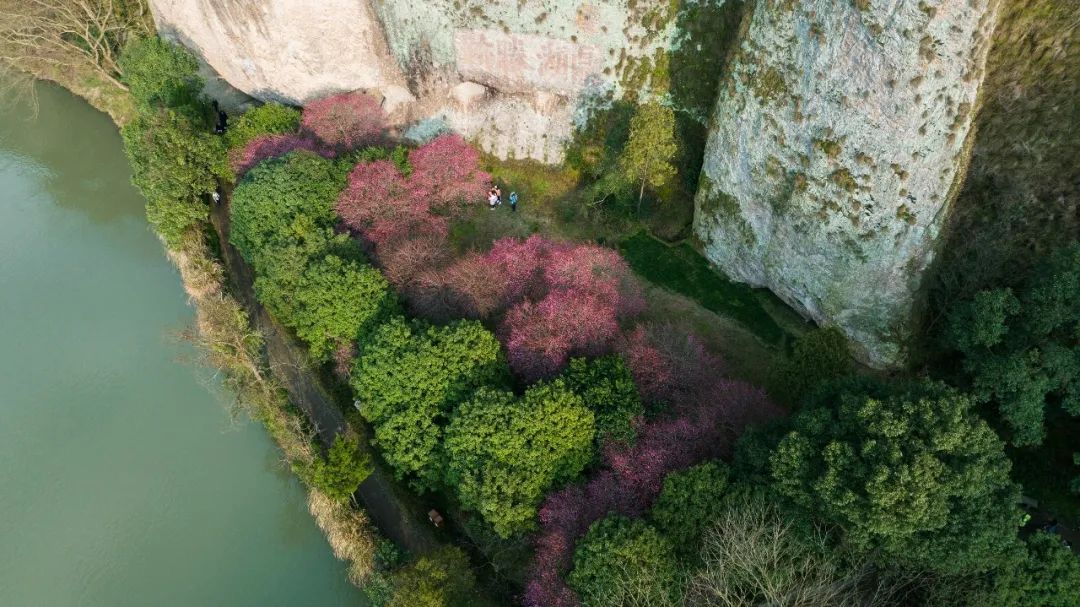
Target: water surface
123 480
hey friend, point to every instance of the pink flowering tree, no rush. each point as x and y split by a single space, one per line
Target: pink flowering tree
446 171
344 122
263 147
541 337
599 270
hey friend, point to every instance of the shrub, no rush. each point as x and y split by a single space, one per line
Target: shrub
175 164
1020 350
442 578
408 378
818 356
267 119
606 386
503 452
690 502
278 197
625 562
669 365
909 472
332 303
160 73
343 469
344 122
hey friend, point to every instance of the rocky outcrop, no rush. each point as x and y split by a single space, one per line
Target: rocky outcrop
837 146
513 76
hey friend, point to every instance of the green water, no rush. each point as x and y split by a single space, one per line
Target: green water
122 479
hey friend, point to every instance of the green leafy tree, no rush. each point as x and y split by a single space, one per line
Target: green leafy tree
504 452
279 197
690 502
439 579
625 563
909 472
607 387
817 357
343 469
1021 350
332 302
1046 574
647 157
409 377
160 73
175 164
267 119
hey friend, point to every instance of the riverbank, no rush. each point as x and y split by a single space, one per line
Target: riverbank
270 378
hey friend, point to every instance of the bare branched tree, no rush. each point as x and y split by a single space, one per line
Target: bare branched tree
752 556
41 36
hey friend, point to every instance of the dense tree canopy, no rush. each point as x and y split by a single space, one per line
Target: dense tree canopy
504 452
1022 350
690 503
343 469
407 379
606 387
440 579
267 119
909 472
160 73
625 563
276 194
330 302
175 163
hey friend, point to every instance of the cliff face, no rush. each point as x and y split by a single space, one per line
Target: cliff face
513 76
837 145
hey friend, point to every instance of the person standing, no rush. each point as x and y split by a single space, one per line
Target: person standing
513 201
498 195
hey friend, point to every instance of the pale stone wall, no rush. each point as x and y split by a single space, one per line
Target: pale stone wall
835 151
542 63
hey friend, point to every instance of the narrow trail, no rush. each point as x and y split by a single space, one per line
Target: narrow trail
397 514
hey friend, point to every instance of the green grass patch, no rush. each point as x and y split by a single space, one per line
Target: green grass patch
682 269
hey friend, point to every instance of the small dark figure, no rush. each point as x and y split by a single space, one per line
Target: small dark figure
222 122
498 195
513 201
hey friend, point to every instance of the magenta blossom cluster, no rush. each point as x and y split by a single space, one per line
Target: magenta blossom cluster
391 211
343 122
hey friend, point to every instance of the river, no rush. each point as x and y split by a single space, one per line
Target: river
123 479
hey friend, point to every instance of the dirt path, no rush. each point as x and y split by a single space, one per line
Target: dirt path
395 512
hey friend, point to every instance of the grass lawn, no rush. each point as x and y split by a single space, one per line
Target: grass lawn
681 269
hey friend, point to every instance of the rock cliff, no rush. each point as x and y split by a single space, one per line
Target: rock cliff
514 76
837 146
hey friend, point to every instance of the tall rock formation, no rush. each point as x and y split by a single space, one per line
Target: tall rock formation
514 76
837 146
